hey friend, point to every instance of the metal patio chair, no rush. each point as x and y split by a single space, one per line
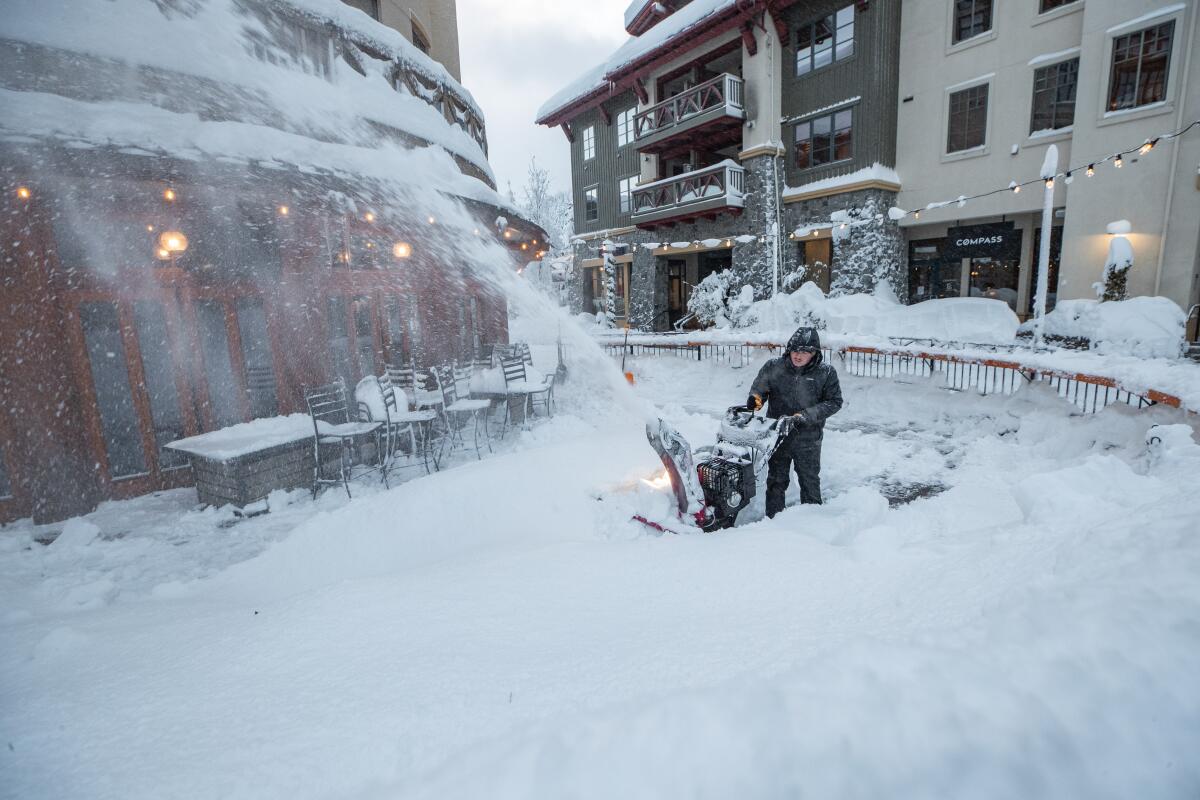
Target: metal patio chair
334 427
459 411
401 424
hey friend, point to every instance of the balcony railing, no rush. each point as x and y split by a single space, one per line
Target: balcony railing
690 195
719 100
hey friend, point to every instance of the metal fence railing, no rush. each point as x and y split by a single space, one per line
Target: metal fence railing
1087 393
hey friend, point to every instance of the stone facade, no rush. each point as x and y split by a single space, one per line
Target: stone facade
863 255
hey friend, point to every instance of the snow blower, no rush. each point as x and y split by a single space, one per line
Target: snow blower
714 483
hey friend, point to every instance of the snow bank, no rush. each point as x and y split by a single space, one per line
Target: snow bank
1146 327
875 172
956 319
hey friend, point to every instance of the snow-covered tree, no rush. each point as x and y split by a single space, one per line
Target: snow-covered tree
551 210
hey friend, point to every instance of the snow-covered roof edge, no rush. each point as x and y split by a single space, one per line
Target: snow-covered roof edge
683 22
875 172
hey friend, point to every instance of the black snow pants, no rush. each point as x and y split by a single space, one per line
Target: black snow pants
803 453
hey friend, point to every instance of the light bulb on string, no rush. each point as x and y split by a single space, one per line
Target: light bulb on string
1118 162
1069 177
369 217
1148 146
1016 187
1091 170
1049 183
917 214
23 192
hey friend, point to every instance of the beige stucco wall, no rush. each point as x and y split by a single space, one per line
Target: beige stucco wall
438 19
1166 234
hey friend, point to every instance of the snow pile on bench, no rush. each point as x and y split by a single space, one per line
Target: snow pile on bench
1147 327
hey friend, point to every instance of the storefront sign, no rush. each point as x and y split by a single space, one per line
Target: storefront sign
997 240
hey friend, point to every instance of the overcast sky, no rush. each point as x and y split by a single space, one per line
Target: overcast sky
515 55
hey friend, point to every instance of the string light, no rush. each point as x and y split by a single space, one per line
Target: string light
402 250
369 217
23 192
1049 183
1068 178
1016 187
162 253
169 195
1118 163
1091 170
1148 146
432 220
150 228
917 214
283 211
508 234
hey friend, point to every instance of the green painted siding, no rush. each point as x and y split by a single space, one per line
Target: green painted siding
610 165
871 74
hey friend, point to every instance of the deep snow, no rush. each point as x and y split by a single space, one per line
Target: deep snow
1026 626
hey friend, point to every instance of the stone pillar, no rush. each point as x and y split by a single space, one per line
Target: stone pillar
647 291
866 255
755 263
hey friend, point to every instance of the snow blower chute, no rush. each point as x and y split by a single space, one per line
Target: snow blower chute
716 482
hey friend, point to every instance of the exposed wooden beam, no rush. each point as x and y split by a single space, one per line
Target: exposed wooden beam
748 40
566 126
639 89
604 115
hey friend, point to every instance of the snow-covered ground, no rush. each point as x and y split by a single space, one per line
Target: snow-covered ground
999 599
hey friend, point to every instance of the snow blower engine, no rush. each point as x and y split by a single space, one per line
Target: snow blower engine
713 484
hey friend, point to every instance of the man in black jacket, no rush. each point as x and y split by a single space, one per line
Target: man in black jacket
799 385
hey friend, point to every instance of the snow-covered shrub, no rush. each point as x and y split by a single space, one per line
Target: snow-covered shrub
1113 286
709 301
1148 327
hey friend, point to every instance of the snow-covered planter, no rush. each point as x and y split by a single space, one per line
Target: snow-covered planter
1147 327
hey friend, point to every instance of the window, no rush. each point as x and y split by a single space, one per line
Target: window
364 335
968 119
369 7
821 42
418 39
823 140
625 187
625 127
591 204
971 18
1050 5
339 340
397 349
223 389
256 355
589 143
114 398
160 381
1139 67
1054 96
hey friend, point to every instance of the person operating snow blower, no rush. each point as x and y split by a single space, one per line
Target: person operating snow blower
800 385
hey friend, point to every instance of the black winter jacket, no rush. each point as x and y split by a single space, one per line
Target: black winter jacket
813 389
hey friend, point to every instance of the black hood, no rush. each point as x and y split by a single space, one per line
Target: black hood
803 338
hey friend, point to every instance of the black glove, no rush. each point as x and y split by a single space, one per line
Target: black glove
753 403
802 418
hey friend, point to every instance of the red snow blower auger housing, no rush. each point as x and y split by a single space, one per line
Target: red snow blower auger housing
713 484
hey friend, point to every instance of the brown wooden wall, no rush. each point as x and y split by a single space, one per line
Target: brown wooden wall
52 437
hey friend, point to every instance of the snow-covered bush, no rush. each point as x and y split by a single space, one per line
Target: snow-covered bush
709 301
1149 327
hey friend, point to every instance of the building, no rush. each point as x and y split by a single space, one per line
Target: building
718 130
206 208
985 87
676 138
431 26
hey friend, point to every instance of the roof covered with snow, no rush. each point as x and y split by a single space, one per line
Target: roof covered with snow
312 84
682 24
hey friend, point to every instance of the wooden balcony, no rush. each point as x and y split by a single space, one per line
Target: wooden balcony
702 192
703 117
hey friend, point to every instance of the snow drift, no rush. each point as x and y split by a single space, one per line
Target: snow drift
1146 327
